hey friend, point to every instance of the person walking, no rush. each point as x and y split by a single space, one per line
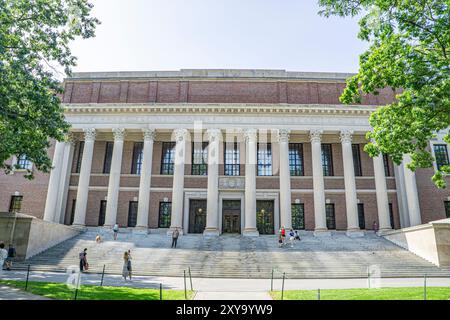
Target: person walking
126 269
11 255
297 236
291 237
175 235
116 231
98 238
3 256
83 260
280 239
283 235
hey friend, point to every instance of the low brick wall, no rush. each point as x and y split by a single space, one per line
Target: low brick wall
31 235
429 241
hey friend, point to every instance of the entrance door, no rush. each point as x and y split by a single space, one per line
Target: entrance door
231 213
265 216
197 216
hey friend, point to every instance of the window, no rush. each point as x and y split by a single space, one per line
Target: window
132 214
23 163
165 211
327 160
387 171
15 204
137 158
296 159
361 218
356 160
108 157
72 211
391 216
199 159
298 216
331 219
264 159
167 157
102 214
441 155
447 208
79 156
231 156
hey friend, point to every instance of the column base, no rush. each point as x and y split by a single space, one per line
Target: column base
322 233
250 232
355 233
382 232
80 227
211 232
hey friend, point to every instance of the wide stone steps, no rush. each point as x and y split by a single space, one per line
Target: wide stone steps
238 257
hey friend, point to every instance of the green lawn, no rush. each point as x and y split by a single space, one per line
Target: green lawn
60 291
417 293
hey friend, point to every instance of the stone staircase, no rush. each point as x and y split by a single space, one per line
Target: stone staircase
234 256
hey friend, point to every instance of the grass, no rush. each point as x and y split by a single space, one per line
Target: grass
408 293
60 291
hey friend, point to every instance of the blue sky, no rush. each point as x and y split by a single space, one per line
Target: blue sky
215 34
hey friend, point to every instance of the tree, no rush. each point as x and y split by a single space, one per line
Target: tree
34 45
409 51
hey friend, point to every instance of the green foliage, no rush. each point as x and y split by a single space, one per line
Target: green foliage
409 53
34 45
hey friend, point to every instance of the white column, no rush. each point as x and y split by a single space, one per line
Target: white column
212 209
382 196
285 179
351 202
84 177
318 184
53 184
66 171
401 195
178 181
250 183
114 178
411 193
145 182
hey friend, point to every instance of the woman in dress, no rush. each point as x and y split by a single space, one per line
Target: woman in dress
125 271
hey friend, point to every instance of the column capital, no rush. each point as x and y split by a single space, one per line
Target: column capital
250 135
283 135
213 134
89 134
346 136
71 138
180 134
149 134
119 134
315 135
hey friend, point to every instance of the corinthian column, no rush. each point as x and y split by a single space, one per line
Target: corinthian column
382 197
84 177
178 181
285 179
145 181
411 193
318 184
250 183
212 211
351 203
114 178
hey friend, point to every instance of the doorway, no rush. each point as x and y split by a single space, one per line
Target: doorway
231 213
197 216
265 216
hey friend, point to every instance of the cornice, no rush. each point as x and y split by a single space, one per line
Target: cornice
189 108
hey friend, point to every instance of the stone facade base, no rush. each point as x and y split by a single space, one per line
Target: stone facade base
171 230
140 231
250 232
322 233
211 232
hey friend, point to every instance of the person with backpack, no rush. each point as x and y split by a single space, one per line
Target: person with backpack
11 255
283 235
175 235
126 270
116 231
3 256
83 260
297 236
291 237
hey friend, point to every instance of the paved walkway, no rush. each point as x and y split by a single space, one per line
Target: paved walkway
224 295
230 285
8 293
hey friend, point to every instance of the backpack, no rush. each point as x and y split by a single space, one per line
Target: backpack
11 252
81 255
